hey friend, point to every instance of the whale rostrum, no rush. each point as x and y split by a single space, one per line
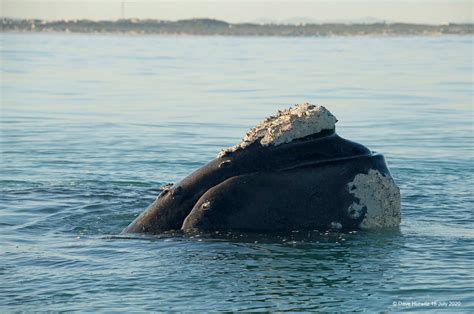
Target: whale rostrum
292 171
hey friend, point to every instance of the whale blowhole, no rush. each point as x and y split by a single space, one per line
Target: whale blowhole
287 125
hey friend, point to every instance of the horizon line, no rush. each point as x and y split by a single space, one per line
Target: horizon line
348 22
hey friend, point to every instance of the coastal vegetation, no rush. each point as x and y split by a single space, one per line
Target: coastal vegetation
216 27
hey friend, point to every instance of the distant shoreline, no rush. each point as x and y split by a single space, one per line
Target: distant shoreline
209 27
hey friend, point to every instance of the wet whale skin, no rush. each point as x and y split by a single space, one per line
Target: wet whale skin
298 185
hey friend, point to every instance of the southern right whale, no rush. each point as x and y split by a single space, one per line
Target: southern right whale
292 171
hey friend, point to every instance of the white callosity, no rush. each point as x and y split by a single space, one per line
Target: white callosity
379 195
290 124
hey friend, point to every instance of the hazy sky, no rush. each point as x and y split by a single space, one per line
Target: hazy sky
416 11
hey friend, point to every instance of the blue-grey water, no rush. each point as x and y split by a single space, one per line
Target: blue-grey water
92 125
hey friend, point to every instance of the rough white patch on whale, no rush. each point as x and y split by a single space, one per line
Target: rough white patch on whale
290 124
380 195
206 205
356 210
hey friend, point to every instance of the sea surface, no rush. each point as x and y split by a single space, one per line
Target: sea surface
92 126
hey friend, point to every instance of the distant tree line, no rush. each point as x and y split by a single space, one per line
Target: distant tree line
215 27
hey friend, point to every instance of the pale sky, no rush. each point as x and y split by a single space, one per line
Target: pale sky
416 11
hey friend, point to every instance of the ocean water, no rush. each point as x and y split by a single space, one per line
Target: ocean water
92 125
